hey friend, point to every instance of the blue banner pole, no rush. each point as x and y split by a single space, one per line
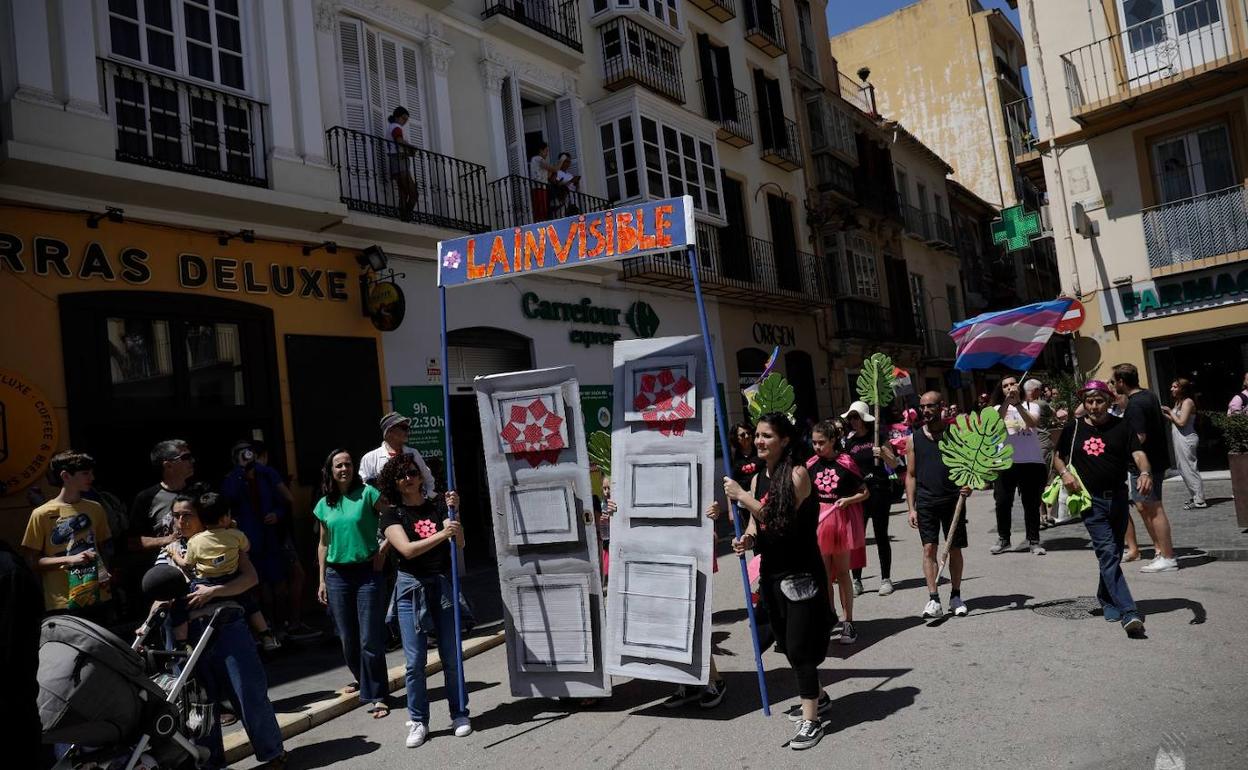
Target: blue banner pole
450 484
721 415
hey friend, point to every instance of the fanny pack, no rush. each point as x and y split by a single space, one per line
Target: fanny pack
800 587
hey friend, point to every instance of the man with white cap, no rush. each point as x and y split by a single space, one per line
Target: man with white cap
394 428
875 463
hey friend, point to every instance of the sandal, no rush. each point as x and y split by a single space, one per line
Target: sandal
351 688
379 710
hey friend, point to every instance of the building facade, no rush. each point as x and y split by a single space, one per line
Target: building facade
1146 157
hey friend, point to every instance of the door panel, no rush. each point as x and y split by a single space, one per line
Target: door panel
545 534
662 460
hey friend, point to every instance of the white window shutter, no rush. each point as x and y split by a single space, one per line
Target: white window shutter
413 97
569 130
376 110
517 163
354 102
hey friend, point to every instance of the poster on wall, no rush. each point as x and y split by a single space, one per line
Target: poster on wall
422 404
596 403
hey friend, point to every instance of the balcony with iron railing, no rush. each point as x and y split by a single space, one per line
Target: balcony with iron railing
763 27
916 221
171 123
779 143
858 318
833 175
1204 229
1140 64
730 109
556 19
381 177
1020 126
741 268
634 54
857 94
517 200
939 231
719 10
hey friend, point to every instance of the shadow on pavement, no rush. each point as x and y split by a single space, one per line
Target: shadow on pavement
296 703
1065 543
718 638
871 632
868 706
983 605
329 753
1158 606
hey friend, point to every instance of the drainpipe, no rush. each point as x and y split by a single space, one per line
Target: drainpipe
1054 151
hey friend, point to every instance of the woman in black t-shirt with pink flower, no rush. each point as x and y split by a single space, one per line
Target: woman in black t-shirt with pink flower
420 535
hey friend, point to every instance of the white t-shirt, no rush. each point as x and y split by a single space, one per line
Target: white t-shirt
1026 441
372 463
537 169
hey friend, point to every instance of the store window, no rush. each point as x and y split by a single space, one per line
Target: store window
1193 163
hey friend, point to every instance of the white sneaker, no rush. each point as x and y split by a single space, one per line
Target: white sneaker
462 727
886 587
933 609
1161 564
958 606
416 734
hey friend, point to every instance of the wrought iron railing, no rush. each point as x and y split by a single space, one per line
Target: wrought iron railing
855 93
860 318
780 144
1020 125
1194 38
832 173
380 176
517 200
763 26
556 19
732 114
632 53
940 231
916 220
1200 227
720 10
167 122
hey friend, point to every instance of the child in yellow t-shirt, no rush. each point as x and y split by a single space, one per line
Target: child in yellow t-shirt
212 555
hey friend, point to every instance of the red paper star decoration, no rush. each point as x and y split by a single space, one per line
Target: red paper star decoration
663 401
533 431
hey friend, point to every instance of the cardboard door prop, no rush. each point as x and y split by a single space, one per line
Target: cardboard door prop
537 464
662 543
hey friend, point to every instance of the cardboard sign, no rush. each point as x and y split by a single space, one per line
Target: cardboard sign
602 236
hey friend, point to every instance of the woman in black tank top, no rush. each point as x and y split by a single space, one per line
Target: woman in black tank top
784 514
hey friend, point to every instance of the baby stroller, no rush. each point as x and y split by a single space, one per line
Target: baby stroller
124 707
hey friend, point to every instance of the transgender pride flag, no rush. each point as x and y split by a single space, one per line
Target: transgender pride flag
1013 338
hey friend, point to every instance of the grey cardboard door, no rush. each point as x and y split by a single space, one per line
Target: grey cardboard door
662 543
544 532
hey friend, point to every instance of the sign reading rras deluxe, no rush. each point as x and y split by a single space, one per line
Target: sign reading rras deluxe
603 236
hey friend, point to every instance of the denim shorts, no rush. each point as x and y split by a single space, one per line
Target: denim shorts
1154 496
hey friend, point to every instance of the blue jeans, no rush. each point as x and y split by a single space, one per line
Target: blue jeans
357 600
1107 525
424 606
231 666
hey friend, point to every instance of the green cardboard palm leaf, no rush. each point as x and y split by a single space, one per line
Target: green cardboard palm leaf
875 381
775 394
599 445
974 449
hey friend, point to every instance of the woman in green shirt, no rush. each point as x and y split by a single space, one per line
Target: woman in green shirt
352 586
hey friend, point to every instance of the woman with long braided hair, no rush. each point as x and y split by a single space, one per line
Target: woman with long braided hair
784 516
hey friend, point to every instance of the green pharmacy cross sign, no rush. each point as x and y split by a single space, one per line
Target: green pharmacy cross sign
1015 227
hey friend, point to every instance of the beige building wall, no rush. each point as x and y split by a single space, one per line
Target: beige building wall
932 65
1105 164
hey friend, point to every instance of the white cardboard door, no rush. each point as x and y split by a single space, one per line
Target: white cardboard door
545 535
662 543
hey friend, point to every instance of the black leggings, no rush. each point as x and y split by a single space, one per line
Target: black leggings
1028 479
876 511
801 630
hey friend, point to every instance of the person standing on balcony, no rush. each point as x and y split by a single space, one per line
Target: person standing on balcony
400 152
540 174
1183 432
1026 475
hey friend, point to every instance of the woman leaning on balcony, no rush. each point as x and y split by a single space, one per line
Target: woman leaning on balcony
399 152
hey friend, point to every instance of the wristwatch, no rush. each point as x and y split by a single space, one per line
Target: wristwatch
1145 473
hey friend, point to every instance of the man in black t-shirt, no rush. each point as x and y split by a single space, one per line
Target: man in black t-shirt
151 514
1143 415
1092 456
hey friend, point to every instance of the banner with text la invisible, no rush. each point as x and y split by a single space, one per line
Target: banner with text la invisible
601 236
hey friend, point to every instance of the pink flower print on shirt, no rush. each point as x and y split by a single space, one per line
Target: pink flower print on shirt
1094 447
826 480
425 528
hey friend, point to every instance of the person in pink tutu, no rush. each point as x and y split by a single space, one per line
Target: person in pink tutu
839 485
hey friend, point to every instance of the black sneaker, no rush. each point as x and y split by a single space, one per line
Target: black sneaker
683 695
822 707
808 734
849 634
713 694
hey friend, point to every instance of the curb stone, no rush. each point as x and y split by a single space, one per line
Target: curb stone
238 745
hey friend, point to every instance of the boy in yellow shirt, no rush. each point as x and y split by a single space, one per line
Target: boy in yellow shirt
213 555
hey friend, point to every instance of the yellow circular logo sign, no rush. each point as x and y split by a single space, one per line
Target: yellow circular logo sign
28 432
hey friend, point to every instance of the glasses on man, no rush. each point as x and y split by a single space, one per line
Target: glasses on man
184 457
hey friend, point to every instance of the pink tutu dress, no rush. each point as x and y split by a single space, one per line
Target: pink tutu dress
841 530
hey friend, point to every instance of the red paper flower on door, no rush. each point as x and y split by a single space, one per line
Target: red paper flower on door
663 401
533 431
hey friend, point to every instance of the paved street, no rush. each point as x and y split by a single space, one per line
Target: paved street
1016 683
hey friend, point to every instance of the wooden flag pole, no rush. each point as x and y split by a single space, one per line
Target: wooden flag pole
721 421
451 512
953 528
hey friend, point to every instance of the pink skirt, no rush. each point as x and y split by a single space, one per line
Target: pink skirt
842 530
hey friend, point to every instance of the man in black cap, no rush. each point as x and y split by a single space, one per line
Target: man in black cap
394 427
